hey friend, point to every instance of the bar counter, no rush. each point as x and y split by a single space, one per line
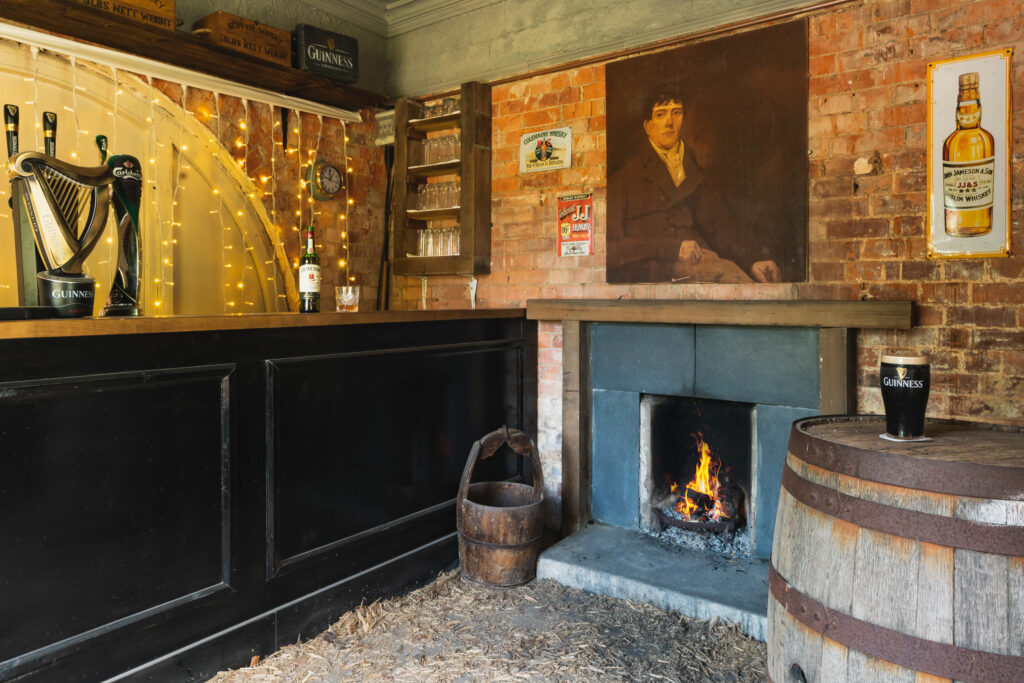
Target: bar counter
81 327
180 494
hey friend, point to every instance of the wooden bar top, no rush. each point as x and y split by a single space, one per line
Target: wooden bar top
869 314
97 326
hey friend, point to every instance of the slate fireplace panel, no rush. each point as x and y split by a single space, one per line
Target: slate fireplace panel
775 369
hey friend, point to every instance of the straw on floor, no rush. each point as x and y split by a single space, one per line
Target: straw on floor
455 630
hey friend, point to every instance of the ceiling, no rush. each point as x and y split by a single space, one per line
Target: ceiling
393 17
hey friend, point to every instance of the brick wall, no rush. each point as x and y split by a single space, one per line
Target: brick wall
867 87
282 194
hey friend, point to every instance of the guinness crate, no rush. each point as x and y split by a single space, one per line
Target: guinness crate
246 35
157 13
327 54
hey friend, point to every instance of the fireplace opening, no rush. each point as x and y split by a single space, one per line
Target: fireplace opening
697 456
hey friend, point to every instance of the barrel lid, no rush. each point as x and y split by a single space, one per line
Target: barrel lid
962 458
905 360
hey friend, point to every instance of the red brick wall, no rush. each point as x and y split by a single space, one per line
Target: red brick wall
868 64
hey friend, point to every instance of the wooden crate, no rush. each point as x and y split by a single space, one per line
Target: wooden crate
156 13
246 35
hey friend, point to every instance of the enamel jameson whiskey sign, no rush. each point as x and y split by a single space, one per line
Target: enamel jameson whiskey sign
968 156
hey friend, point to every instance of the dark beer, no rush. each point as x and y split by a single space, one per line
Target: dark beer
904 382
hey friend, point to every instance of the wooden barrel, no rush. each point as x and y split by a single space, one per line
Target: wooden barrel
898 561
500 523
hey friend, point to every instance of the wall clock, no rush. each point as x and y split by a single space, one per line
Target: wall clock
325 180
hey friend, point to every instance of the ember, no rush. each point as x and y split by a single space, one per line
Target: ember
712 495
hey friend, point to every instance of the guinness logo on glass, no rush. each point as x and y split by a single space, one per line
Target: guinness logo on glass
330 44
901 372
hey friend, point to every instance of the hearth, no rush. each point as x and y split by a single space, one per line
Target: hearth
695 462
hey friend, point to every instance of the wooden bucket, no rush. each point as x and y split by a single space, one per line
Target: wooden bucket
500 523
898 561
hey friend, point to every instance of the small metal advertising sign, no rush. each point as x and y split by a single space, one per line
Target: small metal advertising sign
545 150
576 224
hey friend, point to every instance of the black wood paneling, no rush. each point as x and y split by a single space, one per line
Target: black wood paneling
162 494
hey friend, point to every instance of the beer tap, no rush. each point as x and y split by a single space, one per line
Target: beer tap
11 128
50 134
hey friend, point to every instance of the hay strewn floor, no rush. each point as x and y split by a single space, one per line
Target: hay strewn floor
455 630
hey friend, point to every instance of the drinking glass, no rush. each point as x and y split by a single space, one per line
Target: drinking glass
904 383
346 298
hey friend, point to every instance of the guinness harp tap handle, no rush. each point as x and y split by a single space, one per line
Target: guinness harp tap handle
50 134
66 206
11 128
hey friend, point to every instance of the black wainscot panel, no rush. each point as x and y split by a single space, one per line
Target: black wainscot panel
113 504
172 504
386 447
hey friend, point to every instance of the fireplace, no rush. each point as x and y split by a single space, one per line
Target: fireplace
650 394
695 462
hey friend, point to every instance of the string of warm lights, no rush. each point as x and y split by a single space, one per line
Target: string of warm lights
297 131
278 239
151 184
35 96
175 224
346 256
225 247
148 96
243 124
311 155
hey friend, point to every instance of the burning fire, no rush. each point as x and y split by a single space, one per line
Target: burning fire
700 497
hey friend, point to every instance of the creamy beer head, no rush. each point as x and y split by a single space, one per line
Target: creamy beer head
904 381
905 360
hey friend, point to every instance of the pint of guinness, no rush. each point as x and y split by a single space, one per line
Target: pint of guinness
904 382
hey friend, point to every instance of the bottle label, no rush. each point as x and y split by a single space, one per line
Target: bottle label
309 278
969 185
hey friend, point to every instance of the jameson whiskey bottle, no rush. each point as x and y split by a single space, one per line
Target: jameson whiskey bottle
968 166
309 277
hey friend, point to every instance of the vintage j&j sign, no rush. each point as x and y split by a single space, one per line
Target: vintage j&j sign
969 156
545 150
576 224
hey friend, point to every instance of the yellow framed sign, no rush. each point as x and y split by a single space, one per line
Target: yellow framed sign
969 148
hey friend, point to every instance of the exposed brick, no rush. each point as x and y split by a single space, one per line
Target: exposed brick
998 293
866 227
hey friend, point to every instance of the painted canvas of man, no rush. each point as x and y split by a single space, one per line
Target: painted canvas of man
672 218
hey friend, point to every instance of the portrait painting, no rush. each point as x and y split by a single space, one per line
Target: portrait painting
707 161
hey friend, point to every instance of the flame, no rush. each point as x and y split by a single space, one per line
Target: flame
705 481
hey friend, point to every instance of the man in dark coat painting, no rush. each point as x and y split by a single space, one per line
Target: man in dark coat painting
665 219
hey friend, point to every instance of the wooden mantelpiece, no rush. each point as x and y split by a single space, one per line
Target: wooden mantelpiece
837 322
872 314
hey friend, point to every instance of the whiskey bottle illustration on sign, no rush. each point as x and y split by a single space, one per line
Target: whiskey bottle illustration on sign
968 166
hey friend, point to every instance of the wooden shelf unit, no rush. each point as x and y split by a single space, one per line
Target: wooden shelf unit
184 50
473 121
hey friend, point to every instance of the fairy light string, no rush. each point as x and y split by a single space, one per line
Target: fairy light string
346 210
163 255
165 211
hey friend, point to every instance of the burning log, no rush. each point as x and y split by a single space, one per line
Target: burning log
701 501
730 500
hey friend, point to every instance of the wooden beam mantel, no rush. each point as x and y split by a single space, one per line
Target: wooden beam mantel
850 314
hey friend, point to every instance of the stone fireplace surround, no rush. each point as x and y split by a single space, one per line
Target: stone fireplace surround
790 359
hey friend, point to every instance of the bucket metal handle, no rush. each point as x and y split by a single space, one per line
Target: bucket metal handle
487 446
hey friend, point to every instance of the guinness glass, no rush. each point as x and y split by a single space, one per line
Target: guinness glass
904 383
